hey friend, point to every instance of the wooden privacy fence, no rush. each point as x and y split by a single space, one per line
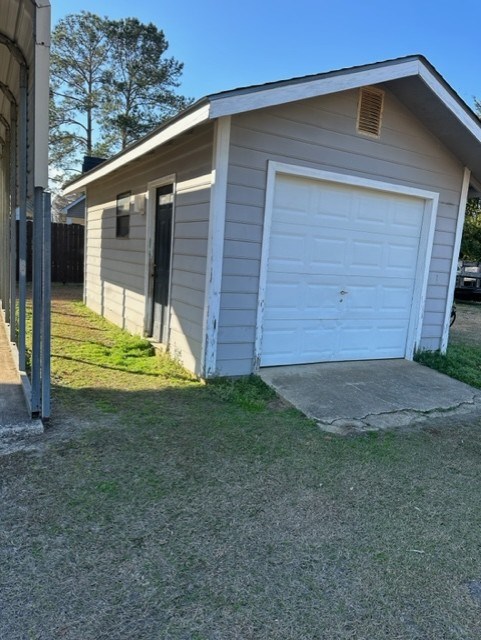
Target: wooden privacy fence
67 252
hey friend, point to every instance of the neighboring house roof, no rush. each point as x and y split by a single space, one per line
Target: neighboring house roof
412 79
75 209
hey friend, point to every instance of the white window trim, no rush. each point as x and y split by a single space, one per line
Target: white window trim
215 246
431 199
454 265
150 252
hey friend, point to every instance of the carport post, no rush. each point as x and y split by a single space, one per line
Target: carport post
13 227
3 222
22 224
37 315
46 290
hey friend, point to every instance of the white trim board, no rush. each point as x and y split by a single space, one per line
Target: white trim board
450 102
269 97
431 199
254 99
234 102
456 248
150 249
176 128
215 247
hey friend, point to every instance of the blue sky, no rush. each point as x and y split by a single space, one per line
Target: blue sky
226 44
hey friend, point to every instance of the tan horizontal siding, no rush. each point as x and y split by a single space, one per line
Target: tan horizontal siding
243 367
321 133
115 282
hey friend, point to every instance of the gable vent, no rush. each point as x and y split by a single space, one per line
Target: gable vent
369 116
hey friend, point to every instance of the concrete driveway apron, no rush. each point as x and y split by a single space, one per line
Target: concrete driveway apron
350 397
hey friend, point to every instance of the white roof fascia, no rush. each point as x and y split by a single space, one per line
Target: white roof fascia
190 120
269 97
450 102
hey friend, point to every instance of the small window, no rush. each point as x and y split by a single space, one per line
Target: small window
123 215
369 115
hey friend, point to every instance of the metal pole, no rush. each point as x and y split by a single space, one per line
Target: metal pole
37 241
3 240
13 225
46 286
8 182
22 224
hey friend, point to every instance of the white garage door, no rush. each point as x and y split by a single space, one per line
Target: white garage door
341 272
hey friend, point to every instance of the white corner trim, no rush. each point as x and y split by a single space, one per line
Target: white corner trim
422 273
431 199
454 265
150 248
272 169
215 247
269 97
171 131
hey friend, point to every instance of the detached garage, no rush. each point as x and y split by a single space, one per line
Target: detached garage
310 220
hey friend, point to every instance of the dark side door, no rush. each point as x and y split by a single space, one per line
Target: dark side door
162 253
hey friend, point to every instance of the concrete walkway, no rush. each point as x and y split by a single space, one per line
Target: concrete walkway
350 397
14 416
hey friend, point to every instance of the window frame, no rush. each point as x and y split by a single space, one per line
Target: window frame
122 214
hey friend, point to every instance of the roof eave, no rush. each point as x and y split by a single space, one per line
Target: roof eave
176 126
259 97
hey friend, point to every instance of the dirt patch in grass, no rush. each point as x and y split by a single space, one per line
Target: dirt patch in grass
175 510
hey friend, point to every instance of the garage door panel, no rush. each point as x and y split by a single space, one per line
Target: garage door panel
341 272
289 298
318 341
406 216
288 244
365 341
396 298
361 298
303 255
366 254
377 298
305 222
292 194
402 259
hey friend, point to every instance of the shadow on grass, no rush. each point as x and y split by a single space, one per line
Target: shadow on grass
81 340
218 422
76 326
108 367
183 394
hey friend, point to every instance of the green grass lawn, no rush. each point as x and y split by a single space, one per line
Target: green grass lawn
157 507
462 359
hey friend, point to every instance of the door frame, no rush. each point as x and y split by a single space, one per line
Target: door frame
431 199
150 250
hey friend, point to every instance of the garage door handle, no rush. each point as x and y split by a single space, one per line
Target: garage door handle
343 293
